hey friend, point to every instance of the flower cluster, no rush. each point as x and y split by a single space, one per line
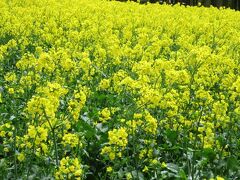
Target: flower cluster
69 169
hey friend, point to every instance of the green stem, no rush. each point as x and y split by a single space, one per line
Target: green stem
54 142
54 138
15 158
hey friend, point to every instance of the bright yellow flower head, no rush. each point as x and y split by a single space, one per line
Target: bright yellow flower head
104 84
109 169
118 137
11 91
21 157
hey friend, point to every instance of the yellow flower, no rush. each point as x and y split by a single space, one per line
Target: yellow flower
7 125
21 157
106 149
119 154
163 165
219 178
11 91
76 104
118 137
28 144
71 139
151 123
145 169
105 115
67 64
42 133
129 176
112 155
104 84
137 116
109 169
2 133
72 168
154 161
78 172
44 147
10 77
69 168
32 132
142 153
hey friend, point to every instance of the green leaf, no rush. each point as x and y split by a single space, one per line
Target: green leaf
232 163
182 174
83 126
137 175
173 168
172 136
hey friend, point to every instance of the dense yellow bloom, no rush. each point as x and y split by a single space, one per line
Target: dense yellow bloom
105 115
104 84
76 104
220 110
32 132
118 137
153 77
44 147
137 116
106 149
151 123
42 134
47 102
67 64
69 168
71 139
45 63
10 77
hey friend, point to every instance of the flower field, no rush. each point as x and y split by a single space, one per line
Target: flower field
110 90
